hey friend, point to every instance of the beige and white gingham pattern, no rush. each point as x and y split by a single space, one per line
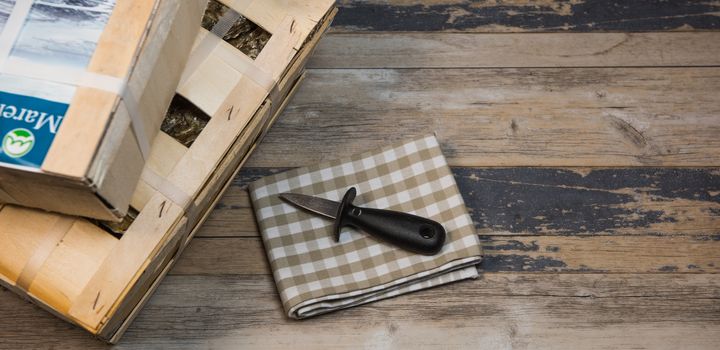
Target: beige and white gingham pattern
315 275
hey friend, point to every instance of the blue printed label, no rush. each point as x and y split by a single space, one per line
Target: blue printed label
27 127
57 35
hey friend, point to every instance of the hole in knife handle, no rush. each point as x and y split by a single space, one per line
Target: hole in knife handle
244 34
427 232
184 121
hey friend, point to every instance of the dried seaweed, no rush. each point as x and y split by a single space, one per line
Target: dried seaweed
245 35
184 121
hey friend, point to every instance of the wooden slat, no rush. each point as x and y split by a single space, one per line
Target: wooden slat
506 117
592 311
443 50
114 56
125 263
525 15
608 254
539 201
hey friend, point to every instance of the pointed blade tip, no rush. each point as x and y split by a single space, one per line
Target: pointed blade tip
320 206
288 197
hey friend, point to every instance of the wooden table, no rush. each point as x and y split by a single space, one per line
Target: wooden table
585 136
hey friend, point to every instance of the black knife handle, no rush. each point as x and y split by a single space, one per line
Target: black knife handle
414 233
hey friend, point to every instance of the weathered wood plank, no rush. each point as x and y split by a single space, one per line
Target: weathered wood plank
238 311
546 201
506 117
599 285
232 216
525 15
627 254
27 326
607 254
502 310
221 256
614 201
447 50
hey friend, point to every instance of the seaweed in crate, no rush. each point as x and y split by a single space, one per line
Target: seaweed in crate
245 35
184 121
117 229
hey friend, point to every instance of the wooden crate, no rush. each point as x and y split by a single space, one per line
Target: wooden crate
80 272
95 159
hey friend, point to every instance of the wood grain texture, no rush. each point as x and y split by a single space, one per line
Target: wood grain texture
525 15
500 310
239 311
546 201
506 117
612 242
447 50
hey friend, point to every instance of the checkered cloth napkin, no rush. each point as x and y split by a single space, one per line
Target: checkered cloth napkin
314 274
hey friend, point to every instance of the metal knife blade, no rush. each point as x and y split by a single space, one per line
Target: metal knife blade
322 206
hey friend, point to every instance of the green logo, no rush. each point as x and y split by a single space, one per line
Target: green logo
18 142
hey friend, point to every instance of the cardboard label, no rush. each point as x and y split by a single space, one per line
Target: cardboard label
28 126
